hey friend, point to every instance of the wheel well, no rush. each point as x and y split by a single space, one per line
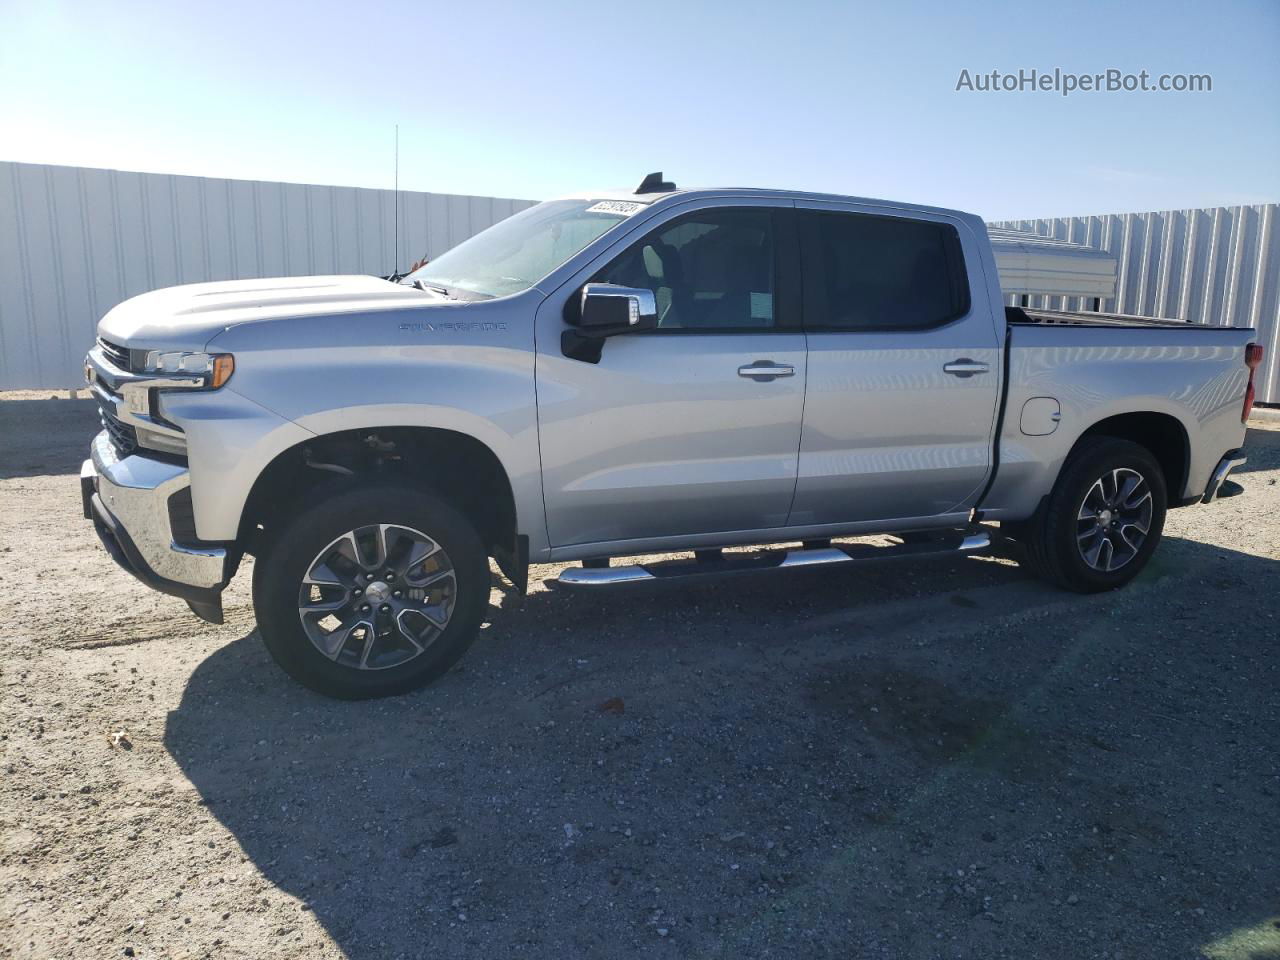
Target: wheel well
1160 433
453 465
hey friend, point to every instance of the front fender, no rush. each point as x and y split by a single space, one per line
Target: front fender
230 441
364 372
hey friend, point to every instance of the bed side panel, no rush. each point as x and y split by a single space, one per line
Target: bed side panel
1196 375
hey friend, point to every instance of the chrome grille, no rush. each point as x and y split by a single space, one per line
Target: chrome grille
123 437
117 354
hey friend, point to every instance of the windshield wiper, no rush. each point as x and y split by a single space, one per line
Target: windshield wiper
431 288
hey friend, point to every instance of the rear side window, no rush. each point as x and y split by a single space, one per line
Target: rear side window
866 272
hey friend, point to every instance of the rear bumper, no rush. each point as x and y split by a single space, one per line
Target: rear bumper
1229 461
128 501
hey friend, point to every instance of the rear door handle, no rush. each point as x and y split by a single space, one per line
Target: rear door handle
766 370
964 367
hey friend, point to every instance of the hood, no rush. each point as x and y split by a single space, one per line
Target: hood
189 316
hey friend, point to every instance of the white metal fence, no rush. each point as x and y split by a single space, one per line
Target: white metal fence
76 241
1218 266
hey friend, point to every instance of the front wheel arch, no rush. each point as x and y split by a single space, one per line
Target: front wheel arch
453 465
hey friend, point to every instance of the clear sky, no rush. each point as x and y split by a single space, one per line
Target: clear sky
534 98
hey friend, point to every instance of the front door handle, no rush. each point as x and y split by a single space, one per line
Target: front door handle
964 367
766 370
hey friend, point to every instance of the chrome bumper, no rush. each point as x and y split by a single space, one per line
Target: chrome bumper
1223 470
128 501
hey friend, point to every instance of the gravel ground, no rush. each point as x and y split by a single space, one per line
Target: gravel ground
944 760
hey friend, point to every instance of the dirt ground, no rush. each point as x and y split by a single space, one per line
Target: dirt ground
945 760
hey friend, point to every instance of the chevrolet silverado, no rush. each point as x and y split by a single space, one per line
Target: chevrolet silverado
619 374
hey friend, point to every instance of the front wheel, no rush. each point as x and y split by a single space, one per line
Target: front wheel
1103 520
373 591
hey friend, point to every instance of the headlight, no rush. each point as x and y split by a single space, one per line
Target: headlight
216 368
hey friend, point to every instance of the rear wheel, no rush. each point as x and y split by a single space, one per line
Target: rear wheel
375 590
1103 520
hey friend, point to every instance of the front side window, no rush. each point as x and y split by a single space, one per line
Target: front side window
711 270
514 254
873 272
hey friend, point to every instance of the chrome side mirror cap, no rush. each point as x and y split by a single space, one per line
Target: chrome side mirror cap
608 310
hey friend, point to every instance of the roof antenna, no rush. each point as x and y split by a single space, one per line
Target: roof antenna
654 183
395 267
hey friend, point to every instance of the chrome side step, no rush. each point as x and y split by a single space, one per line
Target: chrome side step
951 543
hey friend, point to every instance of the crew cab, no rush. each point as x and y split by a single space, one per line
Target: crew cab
622 374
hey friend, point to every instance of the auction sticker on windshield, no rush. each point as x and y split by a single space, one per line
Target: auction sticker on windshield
624 207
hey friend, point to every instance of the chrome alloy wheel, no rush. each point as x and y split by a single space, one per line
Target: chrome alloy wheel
377 596
1114 519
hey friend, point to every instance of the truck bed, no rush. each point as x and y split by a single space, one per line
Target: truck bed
1097 366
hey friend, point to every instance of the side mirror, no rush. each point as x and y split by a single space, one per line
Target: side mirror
605 310
608 310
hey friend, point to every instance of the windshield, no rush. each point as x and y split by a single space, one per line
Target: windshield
513 255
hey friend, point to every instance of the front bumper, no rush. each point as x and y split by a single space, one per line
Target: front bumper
128 500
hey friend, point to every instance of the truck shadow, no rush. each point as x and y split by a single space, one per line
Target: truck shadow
45 437
734 761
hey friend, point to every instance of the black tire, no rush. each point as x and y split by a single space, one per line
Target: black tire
282 564
1051 537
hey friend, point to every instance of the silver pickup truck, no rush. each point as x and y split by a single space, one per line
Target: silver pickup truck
614 375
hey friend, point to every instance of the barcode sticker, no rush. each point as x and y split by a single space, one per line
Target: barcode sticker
624 207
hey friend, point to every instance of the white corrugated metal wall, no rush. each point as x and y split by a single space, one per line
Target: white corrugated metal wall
1218 266
75 241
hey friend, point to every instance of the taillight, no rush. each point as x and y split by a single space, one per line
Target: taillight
1252 360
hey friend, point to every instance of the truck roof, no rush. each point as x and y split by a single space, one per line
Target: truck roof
631 196
1025 262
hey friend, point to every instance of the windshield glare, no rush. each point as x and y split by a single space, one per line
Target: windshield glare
513 255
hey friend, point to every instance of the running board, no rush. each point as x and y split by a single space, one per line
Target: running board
957 543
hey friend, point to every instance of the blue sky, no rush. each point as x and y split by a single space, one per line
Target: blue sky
535 99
